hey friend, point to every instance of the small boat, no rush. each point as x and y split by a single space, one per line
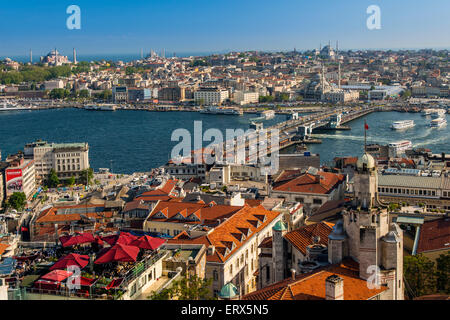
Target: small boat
437 123
437 113
404 124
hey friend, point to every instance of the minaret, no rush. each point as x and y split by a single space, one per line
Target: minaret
142 53
74 56
339 75
337 48
323 79
31 56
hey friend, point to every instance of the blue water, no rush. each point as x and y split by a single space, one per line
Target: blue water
141 140
125 57
345 143
133 140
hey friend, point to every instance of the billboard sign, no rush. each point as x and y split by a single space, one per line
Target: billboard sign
13 181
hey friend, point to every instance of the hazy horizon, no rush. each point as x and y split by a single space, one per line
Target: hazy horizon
201 26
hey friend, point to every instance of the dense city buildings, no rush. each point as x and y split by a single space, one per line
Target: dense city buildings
310 229
67 159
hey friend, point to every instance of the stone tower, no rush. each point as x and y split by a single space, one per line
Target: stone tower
279 251
392 260
337 245
365 182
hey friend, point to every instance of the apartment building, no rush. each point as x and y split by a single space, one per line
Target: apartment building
244 97
20 176
232 248
312 188
120 94
433 192
67 159
211 95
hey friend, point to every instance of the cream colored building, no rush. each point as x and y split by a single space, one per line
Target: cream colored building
341 96
211 96
67 159
243 97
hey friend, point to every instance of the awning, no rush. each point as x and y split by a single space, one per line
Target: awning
79 238
114 284
8 266
119 253
57 275
148 243
410 220
72 259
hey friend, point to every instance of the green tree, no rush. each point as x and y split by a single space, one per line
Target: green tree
17 201
53 180
406 94
186 288
87 175
266 98
71 181
59 93
393 207
283 97
419 274
443 273
84 93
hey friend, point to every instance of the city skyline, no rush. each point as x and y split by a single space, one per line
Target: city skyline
203 27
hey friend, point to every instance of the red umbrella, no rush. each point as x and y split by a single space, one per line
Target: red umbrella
148 243
123 238
57 275
119 252
72 259
78 238
98 241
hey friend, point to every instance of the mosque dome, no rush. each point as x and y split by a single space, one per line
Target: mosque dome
279 226
338 232
391 237
228 291
366 161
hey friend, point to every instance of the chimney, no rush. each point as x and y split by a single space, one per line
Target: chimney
334 288
293 273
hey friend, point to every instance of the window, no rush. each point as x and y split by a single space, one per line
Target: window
317 201
215 275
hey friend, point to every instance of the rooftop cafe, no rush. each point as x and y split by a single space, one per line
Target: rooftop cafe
84 265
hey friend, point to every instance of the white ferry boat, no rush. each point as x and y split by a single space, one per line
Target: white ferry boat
9 106
427 112
437 113
437 123
218 110
404 124
397 148
265 115
101 107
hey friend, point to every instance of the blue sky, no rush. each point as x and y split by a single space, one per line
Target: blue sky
211 25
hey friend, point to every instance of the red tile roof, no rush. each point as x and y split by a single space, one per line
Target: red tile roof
53 215
204 212
302 237
164 193
224 238
322 183
311 286
434 235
